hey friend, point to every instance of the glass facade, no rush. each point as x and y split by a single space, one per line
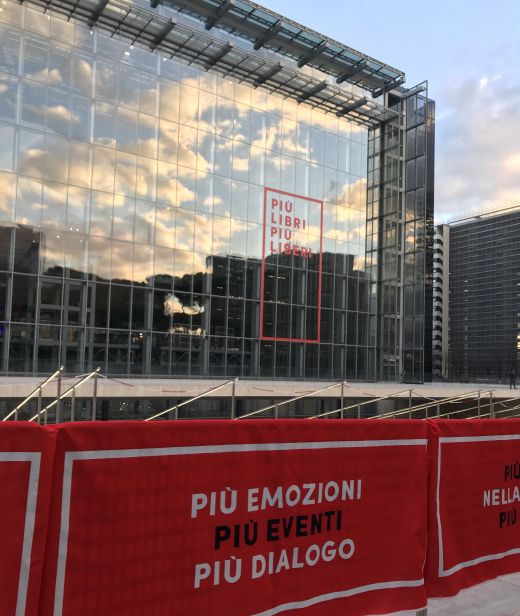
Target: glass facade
484 297
133 216
400 238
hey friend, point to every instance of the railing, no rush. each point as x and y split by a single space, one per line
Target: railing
276 406
481 403
175 409
37 391
72 390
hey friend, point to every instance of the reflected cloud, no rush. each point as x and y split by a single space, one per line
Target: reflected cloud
51 76
202 139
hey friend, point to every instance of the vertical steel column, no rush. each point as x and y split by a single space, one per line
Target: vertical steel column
39 404
94 397
58 400
478 404
491 406
44 416
359 411
410 404
73 405
342 415
276 411
233 407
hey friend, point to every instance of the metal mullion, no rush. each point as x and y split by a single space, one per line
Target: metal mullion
142 31
126 25
168 47
210 59
79 13
235 66
122 23
184 44
107 23
46 5
243 74
65 10
75 6
161 35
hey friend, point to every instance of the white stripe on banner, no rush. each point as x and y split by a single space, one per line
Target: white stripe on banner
112 454
30 517
447 440
341 594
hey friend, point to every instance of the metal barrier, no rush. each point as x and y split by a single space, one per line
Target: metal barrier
277 405
175 409
436 403
38 391
59 397
359 405
486 405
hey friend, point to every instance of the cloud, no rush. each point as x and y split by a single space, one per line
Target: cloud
51 76
477 155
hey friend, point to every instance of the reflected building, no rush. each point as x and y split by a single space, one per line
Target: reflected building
208 189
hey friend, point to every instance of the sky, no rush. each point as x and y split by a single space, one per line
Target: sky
469 51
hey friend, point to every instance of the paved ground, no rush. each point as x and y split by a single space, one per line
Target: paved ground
500 597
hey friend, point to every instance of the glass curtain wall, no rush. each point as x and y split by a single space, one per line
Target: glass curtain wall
132 221
418 245
384 244
484 297
400 239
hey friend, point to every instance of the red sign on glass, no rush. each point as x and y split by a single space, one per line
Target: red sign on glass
290 296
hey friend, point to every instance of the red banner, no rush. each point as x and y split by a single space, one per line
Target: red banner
25 474
474 503
254 517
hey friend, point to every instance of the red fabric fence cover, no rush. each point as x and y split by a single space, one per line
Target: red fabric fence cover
474 515
253 517
26 457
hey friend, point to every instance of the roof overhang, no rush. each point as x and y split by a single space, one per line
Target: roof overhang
146 28
265 28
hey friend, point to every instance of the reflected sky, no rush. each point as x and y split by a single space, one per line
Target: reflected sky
148 139
135 185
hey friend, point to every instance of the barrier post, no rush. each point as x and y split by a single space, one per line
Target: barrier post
478 404
233 407
410 404
491 406
359 411
58 400
94 397
342 399
276 411
39 403
73 405
45 414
